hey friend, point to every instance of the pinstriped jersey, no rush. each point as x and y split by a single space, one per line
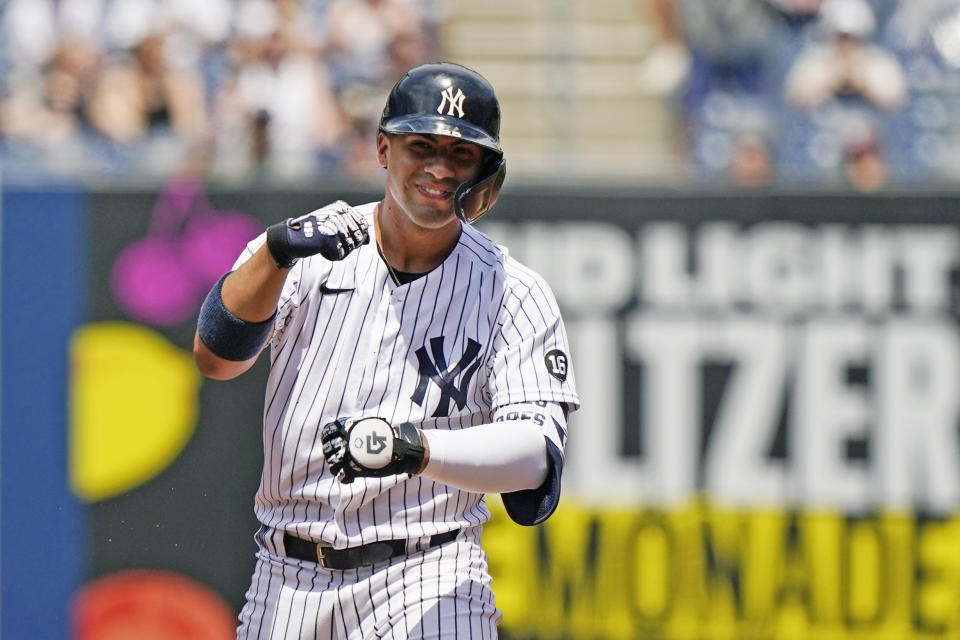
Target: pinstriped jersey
478 332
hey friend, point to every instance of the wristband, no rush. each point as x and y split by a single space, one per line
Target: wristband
226 335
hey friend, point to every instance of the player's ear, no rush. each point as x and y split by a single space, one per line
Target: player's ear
383 147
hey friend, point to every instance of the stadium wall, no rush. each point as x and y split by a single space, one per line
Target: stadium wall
767 448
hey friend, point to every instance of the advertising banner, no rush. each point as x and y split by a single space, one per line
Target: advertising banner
767 446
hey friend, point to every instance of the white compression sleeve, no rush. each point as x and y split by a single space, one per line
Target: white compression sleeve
490 458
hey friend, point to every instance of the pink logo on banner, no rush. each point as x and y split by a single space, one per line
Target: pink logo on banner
162 278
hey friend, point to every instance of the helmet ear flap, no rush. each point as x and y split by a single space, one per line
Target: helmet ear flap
473 199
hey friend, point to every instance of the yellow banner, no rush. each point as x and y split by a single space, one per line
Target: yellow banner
705 572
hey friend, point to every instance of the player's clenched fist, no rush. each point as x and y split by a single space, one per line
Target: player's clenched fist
333 232
371 447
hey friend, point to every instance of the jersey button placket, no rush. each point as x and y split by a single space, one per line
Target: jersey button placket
397 295
396 299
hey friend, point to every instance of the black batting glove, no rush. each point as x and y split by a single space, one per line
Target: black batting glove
371 448
333 232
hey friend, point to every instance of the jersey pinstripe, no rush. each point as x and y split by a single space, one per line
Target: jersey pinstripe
476 333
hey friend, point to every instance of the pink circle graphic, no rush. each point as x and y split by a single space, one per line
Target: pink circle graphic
161 279
213 241
152 283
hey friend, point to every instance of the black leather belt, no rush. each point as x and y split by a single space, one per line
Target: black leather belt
355 557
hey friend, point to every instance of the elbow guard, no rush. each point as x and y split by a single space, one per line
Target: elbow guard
530 507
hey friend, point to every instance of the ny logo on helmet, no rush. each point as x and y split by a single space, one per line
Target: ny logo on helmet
455 101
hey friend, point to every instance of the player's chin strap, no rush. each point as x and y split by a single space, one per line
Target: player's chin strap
473 199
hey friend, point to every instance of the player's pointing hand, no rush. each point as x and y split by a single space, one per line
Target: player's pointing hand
333 232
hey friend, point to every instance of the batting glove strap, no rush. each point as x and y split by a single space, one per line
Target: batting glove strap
278 244
333 232
408 449
371 448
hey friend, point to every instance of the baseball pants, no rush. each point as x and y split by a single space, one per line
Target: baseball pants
438 594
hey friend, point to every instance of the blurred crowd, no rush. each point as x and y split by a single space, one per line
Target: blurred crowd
852 93
861 93
240 89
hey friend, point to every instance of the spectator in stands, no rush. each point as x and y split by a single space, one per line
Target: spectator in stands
719 53
865 167
720 43
728 41
360 36
364 67
195 33
846 65
925 26
751 164
50 106
797 12
34 30
665 67
280 92
256 20
287 80
141 95
49 57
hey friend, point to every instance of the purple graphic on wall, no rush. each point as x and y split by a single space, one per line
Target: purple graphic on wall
161 279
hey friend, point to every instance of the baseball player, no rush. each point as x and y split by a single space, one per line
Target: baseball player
415 367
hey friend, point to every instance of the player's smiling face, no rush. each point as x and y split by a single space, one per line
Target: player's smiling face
423 173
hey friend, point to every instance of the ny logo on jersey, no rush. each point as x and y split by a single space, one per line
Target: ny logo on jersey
455 102
436 371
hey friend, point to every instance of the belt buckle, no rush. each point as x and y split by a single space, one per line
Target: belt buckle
354 557
322 555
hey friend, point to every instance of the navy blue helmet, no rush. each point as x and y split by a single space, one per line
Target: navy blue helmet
446 99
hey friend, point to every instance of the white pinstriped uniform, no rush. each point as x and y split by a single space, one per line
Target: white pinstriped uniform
441 352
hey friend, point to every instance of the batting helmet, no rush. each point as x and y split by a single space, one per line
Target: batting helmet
446 99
